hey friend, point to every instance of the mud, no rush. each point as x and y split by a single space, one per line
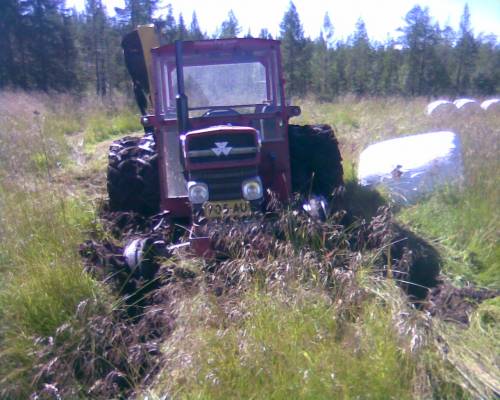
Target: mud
456 304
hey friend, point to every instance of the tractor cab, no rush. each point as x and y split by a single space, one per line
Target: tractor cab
220 124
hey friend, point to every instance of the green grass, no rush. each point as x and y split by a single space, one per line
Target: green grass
293 346
42 224
465 226
102 127
41 277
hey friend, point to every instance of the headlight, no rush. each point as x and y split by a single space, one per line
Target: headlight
197 192
252 189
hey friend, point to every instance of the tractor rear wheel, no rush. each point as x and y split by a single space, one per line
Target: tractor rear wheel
132 181
315 160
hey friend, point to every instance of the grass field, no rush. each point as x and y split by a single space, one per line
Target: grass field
356 337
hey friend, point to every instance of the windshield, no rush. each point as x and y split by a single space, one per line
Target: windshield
243 80
224 84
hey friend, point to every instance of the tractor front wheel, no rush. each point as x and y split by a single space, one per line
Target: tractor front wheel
132 181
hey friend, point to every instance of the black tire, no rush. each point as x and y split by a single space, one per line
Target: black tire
133 183
315 160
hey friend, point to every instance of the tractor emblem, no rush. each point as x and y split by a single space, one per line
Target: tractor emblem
221 148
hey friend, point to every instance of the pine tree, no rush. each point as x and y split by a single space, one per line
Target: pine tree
321 68
69 53
391 58
327 30
420 40
137 12
295 52
182 32
486 80
10 41
229 28
264 34
360 61
95 37
341 82
466 51
44 25
169 26
194 29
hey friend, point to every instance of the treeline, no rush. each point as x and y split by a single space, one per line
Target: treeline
46 46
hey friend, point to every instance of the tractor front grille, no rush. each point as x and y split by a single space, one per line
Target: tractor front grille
224 184
222 147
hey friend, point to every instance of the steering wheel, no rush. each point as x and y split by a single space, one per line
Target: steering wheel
221 112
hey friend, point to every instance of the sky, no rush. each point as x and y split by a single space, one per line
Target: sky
381 17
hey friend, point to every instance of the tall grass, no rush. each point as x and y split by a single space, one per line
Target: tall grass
293 346
35 127
299 343
42 281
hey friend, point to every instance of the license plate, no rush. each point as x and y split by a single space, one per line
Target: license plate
233 208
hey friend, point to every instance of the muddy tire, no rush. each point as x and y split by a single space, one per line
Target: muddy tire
315 160
132 181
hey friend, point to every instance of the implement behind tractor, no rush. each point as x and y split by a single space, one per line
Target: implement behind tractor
218 142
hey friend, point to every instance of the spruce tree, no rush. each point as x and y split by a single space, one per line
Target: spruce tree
230 28
466 51
486 79
169 31
95 38
360 61
264 34
194 29
419 39
295 52
137 12
321 66
11 27
182 32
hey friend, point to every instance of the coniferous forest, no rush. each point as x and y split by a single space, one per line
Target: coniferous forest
46 46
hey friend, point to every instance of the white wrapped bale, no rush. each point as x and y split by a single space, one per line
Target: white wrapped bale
440 107
469 105
491 105
412 166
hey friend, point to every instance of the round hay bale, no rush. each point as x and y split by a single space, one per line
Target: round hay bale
467 105
491 105
412 166
440 107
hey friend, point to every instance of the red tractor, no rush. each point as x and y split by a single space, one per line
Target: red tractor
218 140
